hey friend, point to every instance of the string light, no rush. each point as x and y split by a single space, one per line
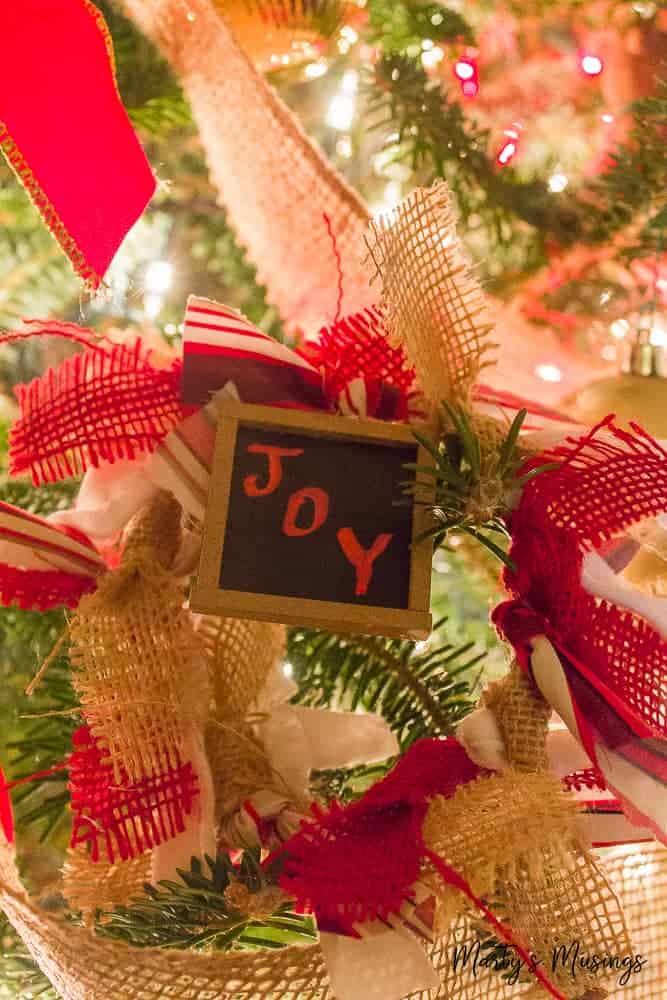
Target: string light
558 182
510 146
315 69
549 373
156 282
158 277
344 147
658 335
619 328
591 64
607 118
342 106
465 70
288 669
431 57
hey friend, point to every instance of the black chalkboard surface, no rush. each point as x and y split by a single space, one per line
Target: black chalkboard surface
303 525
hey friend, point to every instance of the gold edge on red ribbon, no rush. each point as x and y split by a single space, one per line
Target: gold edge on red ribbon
98 18
52 220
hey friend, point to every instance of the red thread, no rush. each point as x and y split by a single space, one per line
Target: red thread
6 813
339 266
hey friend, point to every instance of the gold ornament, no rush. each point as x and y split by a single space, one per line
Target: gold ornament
279 33
638 395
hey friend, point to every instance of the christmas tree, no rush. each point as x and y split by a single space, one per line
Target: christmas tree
443 225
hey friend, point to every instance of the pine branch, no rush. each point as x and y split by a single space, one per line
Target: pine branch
221 906
471 482
420 692
399 25
20 977
435 136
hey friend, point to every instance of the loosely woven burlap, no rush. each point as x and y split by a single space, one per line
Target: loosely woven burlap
515 837
140 666
242 655
83 967
88 887
275 184
434 305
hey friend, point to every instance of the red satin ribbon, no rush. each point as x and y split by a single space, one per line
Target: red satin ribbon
64 131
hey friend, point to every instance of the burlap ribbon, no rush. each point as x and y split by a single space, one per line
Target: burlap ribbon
275 183
515 837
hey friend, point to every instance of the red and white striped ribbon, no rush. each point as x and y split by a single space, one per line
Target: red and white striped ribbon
219 342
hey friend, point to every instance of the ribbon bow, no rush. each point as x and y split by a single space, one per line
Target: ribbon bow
597 648
135 423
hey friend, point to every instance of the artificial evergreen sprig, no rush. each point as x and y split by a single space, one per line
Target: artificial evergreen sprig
471 484
20 976
220 905
402 25
438 139
420 690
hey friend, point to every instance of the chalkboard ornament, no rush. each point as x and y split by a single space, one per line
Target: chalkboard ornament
307 524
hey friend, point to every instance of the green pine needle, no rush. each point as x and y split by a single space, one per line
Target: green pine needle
418 691
194 913
468 489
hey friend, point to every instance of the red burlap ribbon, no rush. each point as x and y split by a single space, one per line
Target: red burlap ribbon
614 661
355 864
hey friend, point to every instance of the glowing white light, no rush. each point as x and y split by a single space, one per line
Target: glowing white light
191 16
288 669
432 57
342 106
609 352
340 112
350 82
421 646
506 153
170 329
464 70
558 183
344 147
619 328
427 44
549 373
349 34
158 277
152 304
392 195
591 65
658 335
315 69
607 118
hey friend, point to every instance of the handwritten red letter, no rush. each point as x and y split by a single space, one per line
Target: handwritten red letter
320 502
362 559
275 456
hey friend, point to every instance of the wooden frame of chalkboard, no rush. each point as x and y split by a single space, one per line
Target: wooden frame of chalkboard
210 596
